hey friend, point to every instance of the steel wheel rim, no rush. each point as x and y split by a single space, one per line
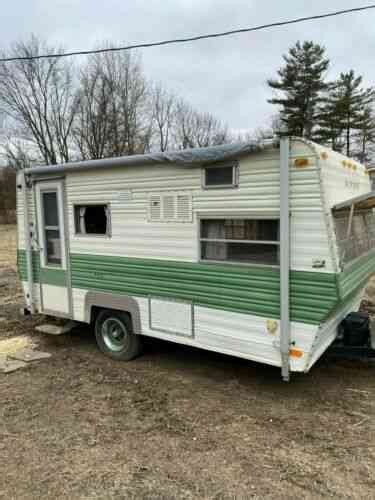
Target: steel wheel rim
115 335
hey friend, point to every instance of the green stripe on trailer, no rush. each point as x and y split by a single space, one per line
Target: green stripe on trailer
46 276
56 277
355 275
247 289
22 265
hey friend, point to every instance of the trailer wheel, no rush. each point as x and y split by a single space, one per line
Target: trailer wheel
115 337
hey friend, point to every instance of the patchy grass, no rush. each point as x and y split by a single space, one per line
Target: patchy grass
178 422
8 247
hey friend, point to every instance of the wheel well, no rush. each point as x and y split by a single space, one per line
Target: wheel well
95 310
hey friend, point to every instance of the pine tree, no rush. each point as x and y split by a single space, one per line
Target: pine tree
301 83
330 128
365 138
345 112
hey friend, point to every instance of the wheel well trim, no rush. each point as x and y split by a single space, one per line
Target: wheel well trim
117 302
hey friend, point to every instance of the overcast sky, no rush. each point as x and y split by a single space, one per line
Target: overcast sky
224 76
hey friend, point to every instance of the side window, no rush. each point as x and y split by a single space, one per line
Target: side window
253 241
92 219
220 176
362 234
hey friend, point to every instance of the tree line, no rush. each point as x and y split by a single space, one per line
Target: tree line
7 196
103 106
335 113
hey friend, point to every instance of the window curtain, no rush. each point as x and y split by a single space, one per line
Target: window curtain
82 225
216 250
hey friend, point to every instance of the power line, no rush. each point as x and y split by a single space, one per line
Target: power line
192 38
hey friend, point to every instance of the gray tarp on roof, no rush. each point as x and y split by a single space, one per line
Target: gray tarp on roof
186 157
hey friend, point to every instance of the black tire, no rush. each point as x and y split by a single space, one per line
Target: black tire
114 335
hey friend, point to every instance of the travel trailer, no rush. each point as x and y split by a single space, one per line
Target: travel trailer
258 251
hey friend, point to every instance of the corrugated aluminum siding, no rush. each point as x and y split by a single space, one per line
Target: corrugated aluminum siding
20 215
257 194
342 178
355 275
237 334
248 289
47 276
22 265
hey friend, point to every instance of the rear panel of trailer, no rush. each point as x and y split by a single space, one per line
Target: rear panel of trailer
342 179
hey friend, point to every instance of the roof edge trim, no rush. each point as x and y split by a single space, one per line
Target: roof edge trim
183 158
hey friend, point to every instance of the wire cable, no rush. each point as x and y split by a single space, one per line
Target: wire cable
190 39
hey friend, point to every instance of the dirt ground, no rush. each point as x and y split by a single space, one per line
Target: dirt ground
177 422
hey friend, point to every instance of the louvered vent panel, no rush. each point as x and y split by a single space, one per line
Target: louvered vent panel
170 207
169 210
123 196
184 208
155 207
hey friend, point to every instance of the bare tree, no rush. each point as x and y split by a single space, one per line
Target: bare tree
163 105
183 129
91 129
114 114
19 151
195 129
209 130
109 110
7 195
39 96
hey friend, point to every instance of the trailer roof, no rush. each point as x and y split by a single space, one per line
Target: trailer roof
362 201
183 158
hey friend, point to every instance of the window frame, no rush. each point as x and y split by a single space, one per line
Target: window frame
43 185
346 215
108 233
45 227
235 175
241 216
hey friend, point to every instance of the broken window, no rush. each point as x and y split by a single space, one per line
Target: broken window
91 219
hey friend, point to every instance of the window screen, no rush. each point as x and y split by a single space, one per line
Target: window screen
240 240
91 219
50 209
220 176
361 238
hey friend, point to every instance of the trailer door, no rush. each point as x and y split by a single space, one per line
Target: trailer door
53 273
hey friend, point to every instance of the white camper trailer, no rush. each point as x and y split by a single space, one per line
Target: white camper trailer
257 251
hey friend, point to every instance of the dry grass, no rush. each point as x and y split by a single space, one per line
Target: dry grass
8 246
14 344
177 423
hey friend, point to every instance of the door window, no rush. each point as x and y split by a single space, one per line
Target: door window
52 237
